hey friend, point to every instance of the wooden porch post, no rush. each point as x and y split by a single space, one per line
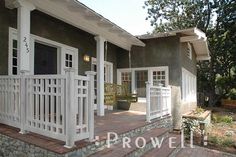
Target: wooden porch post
91 74
100 75
24 9
23 102
70 108
148 84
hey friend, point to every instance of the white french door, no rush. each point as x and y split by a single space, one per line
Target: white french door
108 75
137 77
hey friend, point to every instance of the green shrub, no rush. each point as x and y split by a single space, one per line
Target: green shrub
232 94
199 110
222 119
189 125
227 119
215 140
220 141
228 142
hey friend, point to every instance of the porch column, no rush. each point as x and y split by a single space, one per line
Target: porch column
100 75
23 26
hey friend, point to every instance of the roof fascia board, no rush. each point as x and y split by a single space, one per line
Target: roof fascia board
203 57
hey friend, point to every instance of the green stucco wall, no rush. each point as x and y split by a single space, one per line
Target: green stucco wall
6 20
51 28
157 52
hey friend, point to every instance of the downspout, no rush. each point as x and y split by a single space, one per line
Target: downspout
105 59
131 70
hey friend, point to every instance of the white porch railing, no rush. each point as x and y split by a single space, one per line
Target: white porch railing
57 106
158 101
10 100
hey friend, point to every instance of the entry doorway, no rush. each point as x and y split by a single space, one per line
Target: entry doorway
45 59
136 78
52 58
141 77
108 76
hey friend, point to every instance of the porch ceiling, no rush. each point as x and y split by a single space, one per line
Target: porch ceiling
192 35
77 14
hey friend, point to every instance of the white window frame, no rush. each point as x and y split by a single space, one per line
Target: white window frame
61 51
12 36
189 86
150 76
109 72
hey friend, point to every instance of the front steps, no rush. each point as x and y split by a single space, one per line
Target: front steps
121 149
158 124
165 150
160 131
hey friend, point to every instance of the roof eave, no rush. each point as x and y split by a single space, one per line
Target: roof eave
82 17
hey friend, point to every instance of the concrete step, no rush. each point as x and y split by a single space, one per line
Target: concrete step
165 150
138 106
119 149
98 145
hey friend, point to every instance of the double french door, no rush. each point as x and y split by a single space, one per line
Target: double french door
136 78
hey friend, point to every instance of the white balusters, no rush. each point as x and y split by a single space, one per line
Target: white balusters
158 101
57 106
10 100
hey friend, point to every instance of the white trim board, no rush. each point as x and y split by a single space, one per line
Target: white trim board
150 69
150 76
106 64
62 50
189 86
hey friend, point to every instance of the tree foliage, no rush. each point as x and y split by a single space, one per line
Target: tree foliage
216 18
168 15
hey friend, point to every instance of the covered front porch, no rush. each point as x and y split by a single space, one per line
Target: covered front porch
35 49
47 91
62 107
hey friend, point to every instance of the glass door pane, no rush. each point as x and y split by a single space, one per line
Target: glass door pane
126 80
159 78
141 77
45 59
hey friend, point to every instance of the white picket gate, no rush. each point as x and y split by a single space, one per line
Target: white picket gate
158 101
57 106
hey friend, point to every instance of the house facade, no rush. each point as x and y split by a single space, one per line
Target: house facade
83 34
170 59
39 40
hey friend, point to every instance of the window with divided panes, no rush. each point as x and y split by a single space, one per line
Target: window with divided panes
14 57
68 61
126 79
159 77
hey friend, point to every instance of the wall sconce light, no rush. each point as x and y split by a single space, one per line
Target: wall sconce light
86 58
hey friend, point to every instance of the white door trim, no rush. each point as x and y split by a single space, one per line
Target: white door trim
150 72
62 49
106 63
